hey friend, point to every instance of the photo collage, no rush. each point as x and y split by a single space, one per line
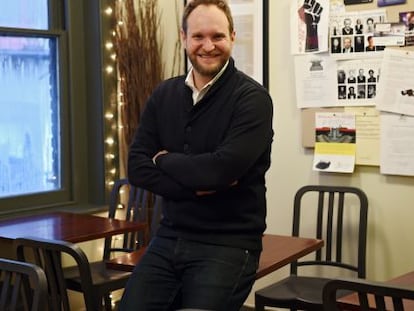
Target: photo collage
357 81
407 18
350 33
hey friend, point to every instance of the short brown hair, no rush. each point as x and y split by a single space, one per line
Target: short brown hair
221 4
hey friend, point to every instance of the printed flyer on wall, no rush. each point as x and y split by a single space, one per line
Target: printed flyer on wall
335 138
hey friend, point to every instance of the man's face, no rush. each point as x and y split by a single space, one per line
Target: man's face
347 23
208 42
371 42
347 43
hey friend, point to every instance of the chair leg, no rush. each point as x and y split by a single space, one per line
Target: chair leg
108 302
259 307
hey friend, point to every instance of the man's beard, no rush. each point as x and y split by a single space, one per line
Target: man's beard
209 71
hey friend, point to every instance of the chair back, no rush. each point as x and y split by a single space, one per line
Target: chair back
23 286
47 254
339 213
131 203
369 296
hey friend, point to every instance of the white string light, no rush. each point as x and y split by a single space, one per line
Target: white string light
111 141
109 69
109 115
108 10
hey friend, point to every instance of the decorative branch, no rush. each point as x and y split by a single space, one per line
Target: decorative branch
139 60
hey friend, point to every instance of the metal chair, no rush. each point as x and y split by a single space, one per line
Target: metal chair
371 295
23 286
338 213
131 203
139 205
93 284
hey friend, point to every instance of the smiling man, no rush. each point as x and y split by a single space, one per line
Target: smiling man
208 43
203 145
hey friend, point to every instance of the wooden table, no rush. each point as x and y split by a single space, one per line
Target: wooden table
350 302
69 227
278 251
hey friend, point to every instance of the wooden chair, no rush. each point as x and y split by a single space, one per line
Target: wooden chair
371 295
338 212
23 286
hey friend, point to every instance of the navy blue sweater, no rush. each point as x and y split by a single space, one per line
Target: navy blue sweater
225 137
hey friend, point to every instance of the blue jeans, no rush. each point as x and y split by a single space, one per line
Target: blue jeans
177 274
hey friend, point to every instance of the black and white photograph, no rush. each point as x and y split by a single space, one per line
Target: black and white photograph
352 33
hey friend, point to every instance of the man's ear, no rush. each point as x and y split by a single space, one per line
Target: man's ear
233 36
183 37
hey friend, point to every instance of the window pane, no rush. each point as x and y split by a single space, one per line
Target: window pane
24 14
29 122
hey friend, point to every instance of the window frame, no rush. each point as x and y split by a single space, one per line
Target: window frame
76 25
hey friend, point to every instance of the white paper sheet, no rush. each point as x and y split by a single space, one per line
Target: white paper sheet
396 87
397 144
309 26
315 80
321 81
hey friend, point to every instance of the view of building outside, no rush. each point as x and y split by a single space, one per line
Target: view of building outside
29 122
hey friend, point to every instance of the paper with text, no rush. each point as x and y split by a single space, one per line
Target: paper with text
367 125
397 144
396 87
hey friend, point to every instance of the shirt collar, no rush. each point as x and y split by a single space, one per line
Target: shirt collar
199 94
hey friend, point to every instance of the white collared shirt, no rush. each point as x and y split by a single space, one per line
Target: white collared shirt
199 94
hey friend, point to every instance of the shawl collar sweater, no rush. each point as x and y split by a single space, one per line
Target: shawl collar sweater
223 139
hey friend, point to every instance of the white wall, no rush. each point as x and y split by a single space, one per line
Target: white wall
390 249
391 212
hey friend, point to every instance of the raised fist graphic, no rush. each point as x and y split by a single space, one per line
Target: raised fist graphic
310 14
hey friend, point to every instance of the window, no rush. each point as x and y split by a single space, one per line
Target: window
50 146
